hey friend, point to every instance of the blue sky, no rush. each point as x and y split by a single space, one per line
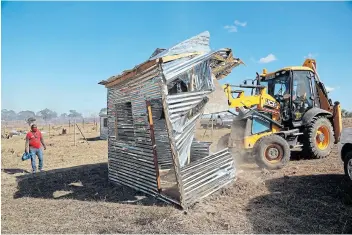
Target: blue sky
55 53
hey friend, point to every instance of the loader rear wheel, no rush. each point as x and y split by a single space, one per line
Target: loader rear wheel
348 165
319 137
272 152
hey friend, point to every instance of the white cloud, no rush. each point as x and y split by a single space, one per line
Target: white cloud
269 58
231 28
239 23
328 89
310 55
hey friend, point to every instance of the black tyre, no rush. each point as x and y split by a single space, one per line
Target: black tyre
348 165
272 152
319 138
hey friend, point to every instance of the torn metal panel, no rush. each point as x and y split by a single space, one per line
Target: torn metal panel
206 175
156 52
223 62
199 43
173 70
152 112
199 150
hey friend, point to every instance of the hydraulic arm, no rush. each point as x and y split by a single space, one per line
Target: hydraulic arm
261 99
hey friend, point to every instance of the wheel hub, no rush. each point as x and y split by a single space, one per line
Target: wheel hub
273 153
322 137
349 168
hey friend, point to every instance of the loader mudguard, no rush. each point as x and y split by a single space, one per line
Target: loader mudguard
310 114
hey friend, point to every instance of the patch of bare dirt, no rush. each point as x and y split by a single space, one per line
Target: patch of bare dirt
74 196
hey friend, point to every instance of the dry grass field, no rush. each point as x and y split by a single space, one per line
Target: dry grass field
74 196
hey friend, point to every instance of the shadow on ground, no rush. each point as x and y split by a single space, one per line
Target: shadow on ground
303 204
95 139
86 183
12 171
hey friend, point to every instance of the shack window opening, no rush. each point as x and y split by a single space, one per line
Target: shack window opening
178 87
162 116
105 124
124 122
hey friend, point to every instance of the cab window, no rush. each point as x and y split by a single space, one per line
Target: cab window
301 87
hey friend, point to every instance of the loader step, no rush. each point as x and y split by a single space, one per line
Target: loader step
296 134
296 147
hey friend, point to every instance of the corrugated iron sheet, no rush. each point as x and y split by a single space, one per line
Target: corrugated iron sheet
209 172
222 61
180 105
171 71
131 160
161 135
206 175
198 43
199 150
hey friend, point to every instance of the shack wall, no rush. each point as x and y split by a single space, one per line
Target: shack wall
130 151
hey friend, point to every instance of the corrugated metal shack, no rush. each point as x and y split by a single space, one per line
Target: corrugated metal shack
152 112
103 126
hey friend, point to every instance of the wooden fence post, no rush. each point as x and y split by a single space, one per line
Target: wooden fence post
74 132
96 125
212 126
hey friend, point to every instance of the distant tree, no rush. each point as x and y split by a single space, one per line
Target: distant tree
8 115
75 114
47 114
30 120
103 111
24 115
64 115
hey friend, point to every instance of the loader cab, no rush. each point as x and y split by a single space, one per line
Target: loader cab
294 88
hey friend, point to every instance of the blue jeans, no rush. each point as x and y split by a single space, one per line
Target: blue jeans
36 152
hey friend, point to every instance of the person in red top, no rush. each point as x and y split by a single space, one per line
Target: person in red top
34 142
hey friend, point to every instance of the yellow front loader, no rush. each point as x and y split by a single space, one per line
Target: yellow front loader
288 110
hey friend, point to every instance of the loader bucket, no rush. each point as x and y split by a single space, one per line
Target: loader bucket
239 129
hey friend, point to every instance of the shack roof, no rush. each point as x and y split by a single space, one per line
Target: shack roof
182 57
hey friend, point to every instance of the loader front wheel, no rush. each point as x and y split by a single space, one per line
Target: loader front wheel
319 138
272 152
